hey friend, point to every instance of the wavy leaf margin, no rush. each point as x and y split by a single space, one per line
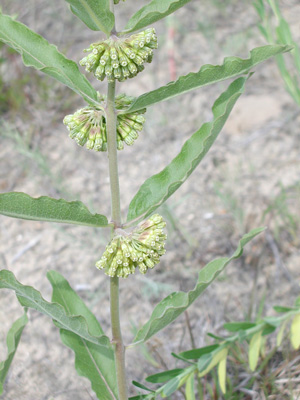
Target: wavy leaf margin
32 298
158 188
44 208
37 52
207 75
98 367
176 303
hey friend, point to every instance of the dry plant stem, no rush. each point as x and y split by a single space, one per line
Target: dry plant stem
116 216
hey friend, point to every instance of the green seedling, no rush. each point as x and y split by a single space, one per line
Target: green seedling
212 359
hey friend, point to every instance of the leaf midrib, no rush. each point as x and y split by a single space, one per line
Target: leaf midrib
92 15
85 345
23 50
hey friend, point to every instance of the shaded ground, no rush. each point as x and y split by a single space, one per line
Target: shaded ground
251 177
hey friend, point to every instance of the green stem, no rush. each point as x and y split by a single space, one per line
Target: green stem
111 126
112 154
117 338
111 120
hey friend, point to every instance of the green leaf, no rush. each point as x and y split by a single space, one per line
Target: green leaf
190 388
176 303
143 396
37 52
281 309
280 334
30 297
254 349
295 332
213 358
12 340
95 14
91 360
141 386
273 321
21 205
164 376
157 189
176 382
197 353
208 74
205 360
152 12
238 326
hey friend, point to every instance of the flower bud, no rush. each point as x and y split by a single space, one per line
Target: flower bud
128 251
88 125
120 58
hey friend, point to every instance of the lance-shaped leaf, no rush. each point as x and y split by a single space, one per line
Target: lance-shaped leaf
21 205
30 297
208 74
95 14
37 52
175 383
97 366
12 340
165 376
176 303
152 12
295 332
157 189
254 349
222 372
190 388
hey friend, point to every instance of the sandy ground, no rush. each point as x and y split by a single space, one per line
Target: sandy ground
251 177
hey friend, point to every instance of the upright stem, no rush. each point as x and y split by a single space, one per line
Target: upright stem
116 216
111 126
112 154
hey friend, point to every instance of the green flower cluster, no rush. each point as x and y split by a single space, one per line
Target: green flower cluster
88 125
142 249
120 59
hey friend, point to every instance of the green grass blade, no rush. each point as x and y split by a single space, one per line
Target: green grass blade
13 339
176 303
38 53
21 205
208 74
152 12
31 298
95 14
97 366
157 189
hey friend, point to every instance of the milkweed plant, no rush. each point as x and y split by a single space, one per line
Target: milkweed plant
108 123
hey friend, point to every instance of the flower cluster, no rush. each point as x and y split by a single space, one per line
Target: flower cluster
88 125
142 249
120 58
